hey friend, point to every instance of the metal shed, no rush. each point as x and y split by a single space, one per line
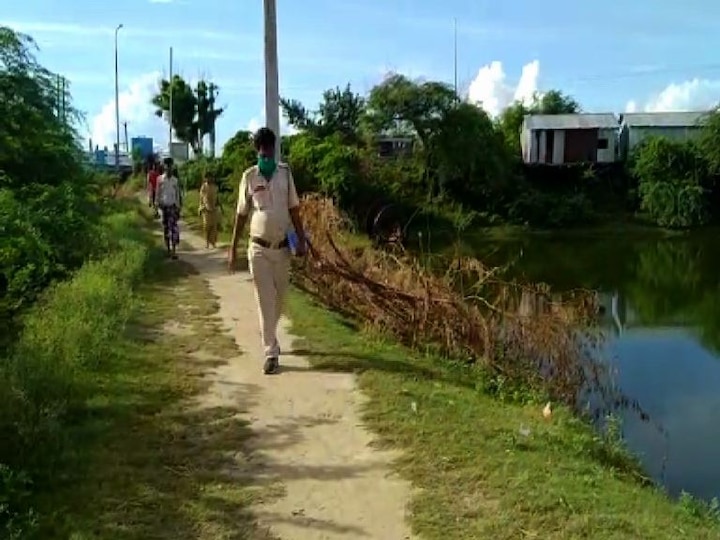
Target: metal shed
557 139
677 126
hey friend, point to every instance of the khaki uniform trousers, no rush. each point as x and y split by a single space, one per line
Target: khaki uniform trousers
270 271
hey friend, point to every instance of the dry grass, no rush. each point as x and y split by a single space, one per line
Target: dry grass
517 332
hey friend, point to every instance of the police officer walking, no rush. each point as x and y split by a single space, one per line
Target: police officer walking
267 196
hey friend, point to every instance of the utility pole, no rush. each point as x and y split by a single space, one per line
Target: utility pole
455 61
117 105
60 91
63 93
213 89
170 119
59 98
272 90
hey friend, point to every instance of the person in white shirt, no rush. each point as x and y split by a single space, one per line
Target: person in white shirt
169 199
267 196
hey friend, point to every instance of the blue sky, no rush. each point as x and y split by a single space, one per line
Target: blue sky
659 54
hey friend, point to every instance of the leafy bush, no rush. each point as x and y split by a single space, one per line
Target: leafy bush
670 178
69 336
49 203
55 217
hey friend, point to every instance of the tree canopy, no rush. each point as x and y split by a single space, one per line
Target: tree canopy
340 112
400 106
37 132
194 113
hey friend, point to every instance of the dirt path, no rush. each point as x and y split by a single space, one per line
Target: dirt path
308 432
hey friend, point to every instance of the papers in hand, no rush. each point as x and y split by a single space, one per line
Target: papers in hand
293 241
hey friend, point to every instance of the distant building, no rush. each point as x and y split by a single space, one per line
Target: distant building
144 146
180 152
394 146
558 139
677 126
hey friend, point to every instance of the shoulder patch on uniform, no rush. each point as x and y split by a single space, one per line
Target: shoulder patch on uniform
251 169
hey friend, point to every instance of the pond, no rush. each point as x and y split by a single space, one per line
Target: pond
662 300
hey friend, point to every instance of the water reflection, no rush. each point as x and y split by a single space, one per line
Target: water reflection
661 300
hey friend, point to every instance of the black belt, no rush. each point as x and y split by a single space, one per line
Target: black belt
269 245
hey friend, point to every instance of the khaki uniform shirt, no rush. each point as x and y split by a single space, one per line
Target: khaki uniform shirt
268 202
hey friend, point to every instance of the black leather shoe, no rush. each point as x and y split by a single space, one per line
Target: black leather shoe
271 366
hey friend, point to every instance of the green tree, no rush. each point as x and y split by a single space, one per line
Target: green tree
207 112
193 109
510 124
470 157
401 106
709 141
670 178
239 151
554 102
340 112
46 194
37 131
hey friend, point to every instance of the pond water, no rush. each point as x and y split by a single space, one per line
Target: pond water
662 300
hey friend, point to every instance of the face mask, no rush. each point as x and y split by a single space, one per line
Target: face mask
266 165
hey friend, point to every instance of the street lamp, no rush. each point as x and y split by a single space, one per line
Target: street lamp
117 105
272 91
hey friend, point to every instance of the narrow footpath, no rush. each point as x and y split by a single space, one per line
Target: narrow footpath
308 436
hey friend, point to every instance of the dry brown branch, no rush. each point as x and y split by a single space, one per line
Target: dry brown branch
519 330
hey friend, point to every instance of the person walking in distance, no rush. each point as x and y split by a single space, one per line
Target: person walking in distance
152 181
209 210
169 198
268 197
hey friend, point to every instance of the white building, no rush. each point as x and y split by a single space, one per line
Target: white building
558 139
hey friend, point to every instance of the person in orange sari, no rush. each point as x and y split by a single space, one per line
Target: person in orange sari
209 210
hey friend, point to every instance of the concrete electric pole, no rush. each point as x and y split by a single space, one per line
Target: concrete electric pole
272 90
117 105
212 89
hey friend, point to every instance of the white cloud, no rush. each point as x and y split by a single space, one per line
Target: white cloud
259 121
491 90
693 95
135 109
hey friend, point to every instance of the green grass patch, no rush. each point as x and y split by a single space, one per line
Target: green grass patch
488 467
100 407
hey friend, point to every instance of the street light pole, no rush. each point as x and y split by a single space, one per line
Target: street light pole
117 105
272 91
170 109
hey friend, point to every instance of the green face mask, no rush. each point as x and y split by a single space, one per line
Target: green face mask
266 165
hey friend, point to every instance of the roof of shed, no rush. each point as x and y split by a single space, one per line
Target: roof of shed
664 119
572 121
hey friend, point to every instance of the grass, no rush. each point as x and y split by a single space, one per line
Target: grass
122 353
488 467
